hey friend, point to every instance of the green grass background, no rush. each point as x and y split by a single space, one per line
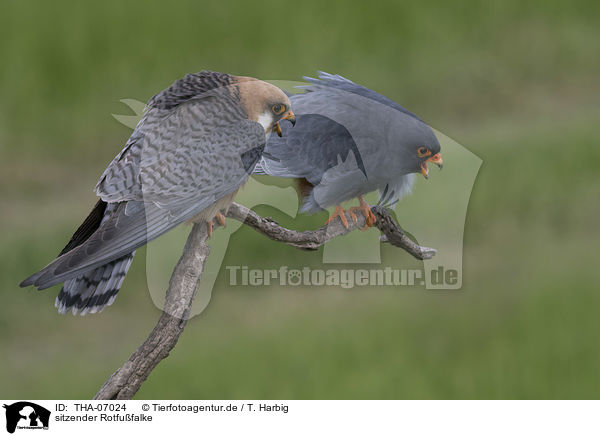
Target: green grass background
514 81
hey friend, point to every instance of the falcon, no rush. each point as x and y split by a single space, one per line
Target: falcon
348 141
196 144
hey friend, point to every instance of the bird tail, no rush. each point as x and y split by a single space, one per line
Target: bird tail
94 290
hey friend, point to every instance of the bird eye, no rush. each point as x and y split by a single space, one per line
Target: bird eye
278 109
422 152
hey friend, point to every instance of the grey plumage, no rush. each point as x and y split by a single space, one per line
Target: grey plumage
95 289
196 144
348 141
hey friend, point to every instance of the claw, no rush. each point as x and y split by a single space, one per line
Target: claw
278 129
365 209
210 225
339 212
221 219
352 215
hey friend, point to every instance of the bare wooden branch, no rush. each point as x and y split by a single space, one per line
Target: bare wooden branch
312 240
126 381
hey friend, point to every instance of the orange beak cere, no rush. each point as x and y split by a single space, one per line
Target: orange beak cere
435 159
290 117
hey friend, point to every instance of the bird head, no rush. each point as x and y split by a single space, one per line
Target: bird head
426 154
420 147
265 103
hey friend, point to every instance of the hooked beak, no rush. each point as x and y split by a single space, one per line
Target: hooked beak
288 116
435 159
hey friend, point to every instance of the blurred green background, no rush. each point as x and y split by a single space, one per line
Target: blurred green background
514 81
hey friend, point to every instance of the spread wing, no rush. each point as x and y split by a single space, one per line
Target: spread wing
176 164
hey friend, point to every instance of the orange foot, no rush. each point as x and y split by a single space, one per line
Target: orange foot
365 209
220 219
340 212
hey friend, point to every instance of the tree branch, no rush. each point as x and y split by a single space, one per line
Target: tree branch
312 240
126 381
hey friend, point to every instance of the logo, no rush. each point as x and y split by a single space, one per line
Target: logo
26 415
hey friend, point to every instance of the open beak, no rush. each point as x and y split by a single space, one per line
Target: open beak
435 159
288 116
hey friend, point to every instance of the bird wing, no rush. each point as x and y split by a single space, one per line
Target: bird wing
177 165
313 146
336 81
336 144
362 154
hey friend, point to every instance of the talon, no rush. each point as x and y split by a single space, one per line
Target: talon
278 129
365 209
221 219
209 227
338 212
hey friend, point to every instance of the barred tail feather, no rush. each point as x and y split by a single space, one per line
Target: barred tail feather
94 290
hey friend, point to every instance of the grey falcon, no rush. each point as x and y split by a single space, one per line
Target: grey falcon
348 141
196 144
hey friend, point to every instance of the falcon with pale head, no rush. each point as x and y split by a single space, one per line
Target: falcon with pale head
197 143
